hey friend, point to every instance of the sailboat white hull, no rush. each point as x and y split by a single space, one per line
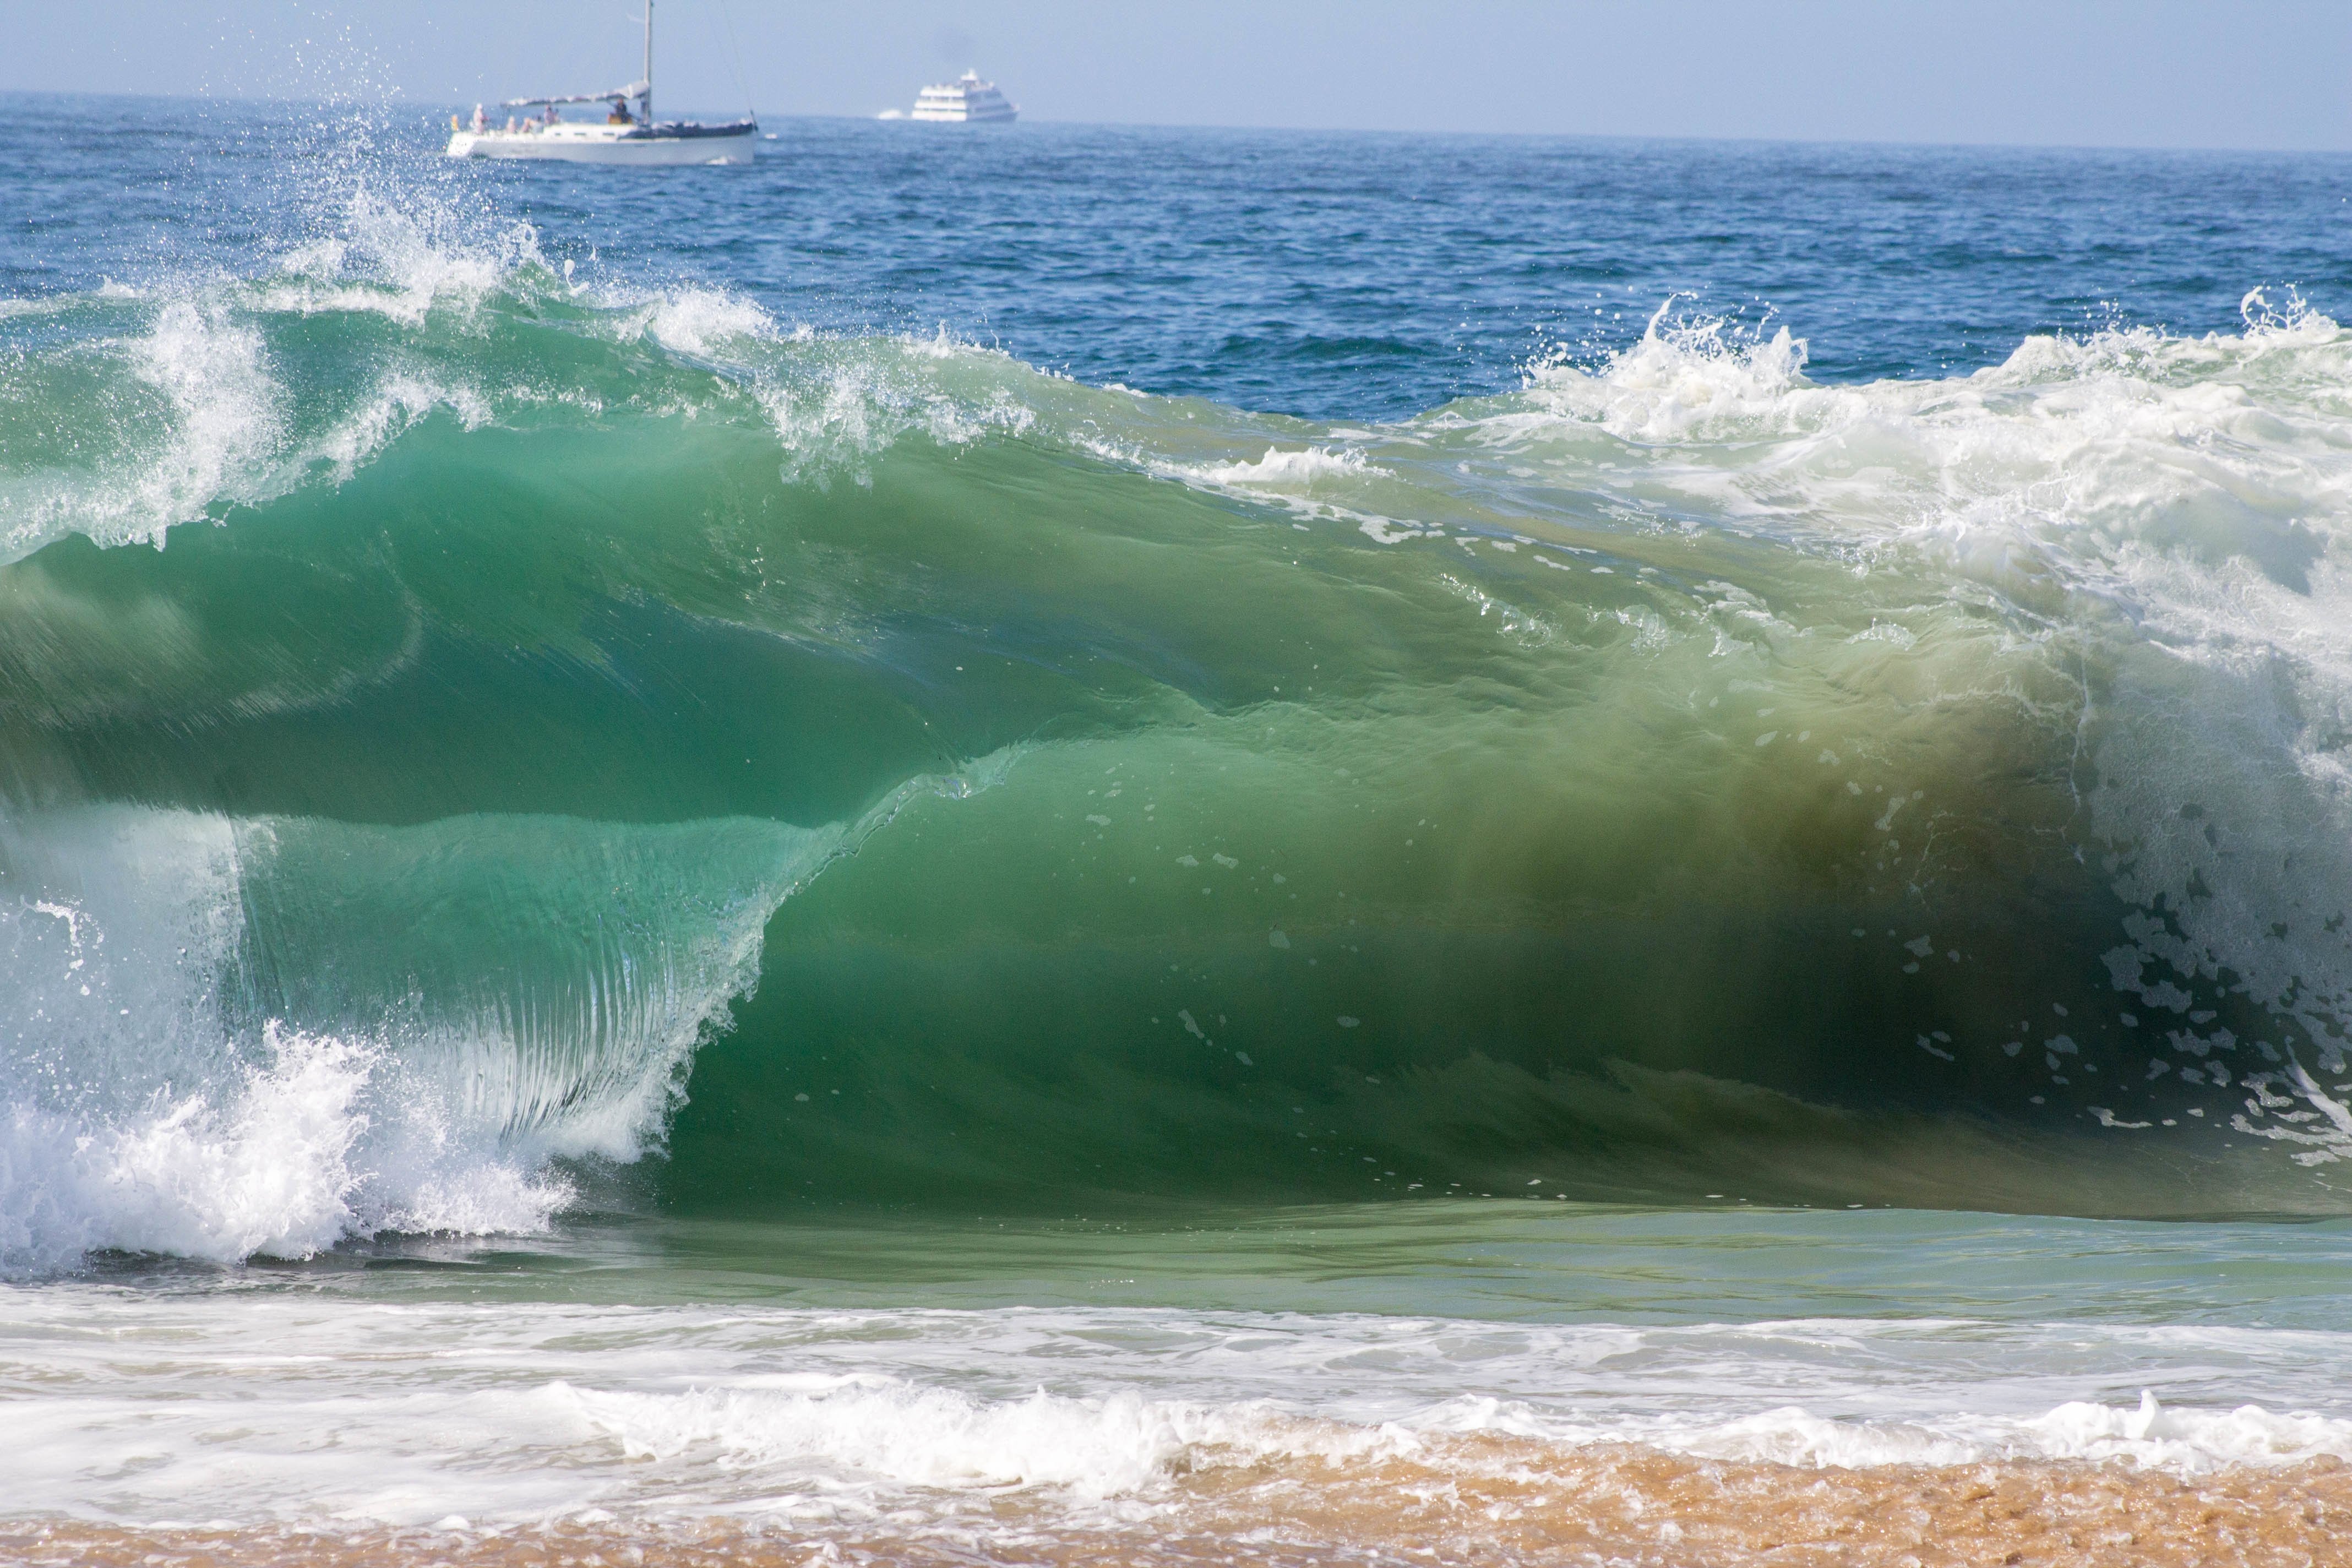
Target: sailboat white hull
622 137
609 144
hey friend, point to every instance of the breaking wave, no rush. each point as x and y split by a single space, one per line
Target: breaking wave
431 685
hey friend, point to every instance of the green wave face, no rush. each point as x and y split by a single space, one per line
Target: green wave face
870 770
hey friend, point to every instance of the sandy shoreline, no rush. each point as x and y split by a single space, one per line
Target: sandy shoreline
1469 1501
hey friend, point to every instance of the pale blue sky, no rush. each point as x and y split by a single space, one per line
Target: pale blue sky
2072 72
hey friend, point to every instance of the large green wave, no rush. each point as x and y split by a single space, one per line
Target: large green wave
870 770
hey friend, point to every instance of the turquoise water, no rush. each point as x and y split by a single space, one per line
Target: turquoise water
1681 794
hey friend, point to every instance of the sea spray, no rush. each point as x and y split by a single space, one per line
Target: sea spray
223 1037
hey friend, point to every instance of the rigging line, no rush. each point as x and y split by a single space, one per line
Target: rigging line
735 59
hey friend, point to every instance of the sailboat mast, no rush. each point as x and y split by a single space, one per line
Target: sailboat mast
647 98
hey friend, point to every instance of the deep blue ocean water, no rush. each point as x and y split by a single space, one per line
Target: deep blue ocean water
1332 276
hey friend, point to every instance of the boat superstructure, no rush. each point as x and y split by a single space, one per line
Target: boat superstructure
965 98
623 136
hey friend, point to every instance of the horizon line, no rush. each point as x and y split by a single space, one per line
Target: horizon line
401 99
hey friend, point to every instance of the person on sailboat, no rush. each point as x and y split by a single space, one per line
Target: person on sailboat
628 134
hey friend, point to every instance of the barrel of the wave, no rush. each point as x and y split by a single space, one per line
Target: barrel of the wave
625 135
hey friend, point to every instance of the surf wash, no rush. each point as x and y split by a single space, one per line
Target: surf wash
622 137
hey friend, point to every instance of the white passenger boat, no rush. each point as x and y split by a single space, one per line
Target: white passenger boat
965 98
623 136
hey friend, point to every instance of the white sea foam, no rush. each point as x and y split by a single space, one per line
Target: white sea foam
554 1409
131 1114
835 404
2149 1434
222 413
397 404
191 410
397 259
1317 482
898 1434
704 320
221 1038
1121 1443
201 419
196 416
2165 522
139 1111
1692 378
1280 469
267 1162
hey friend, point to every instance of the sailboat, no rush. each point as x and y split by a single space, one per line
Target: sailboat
623 136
